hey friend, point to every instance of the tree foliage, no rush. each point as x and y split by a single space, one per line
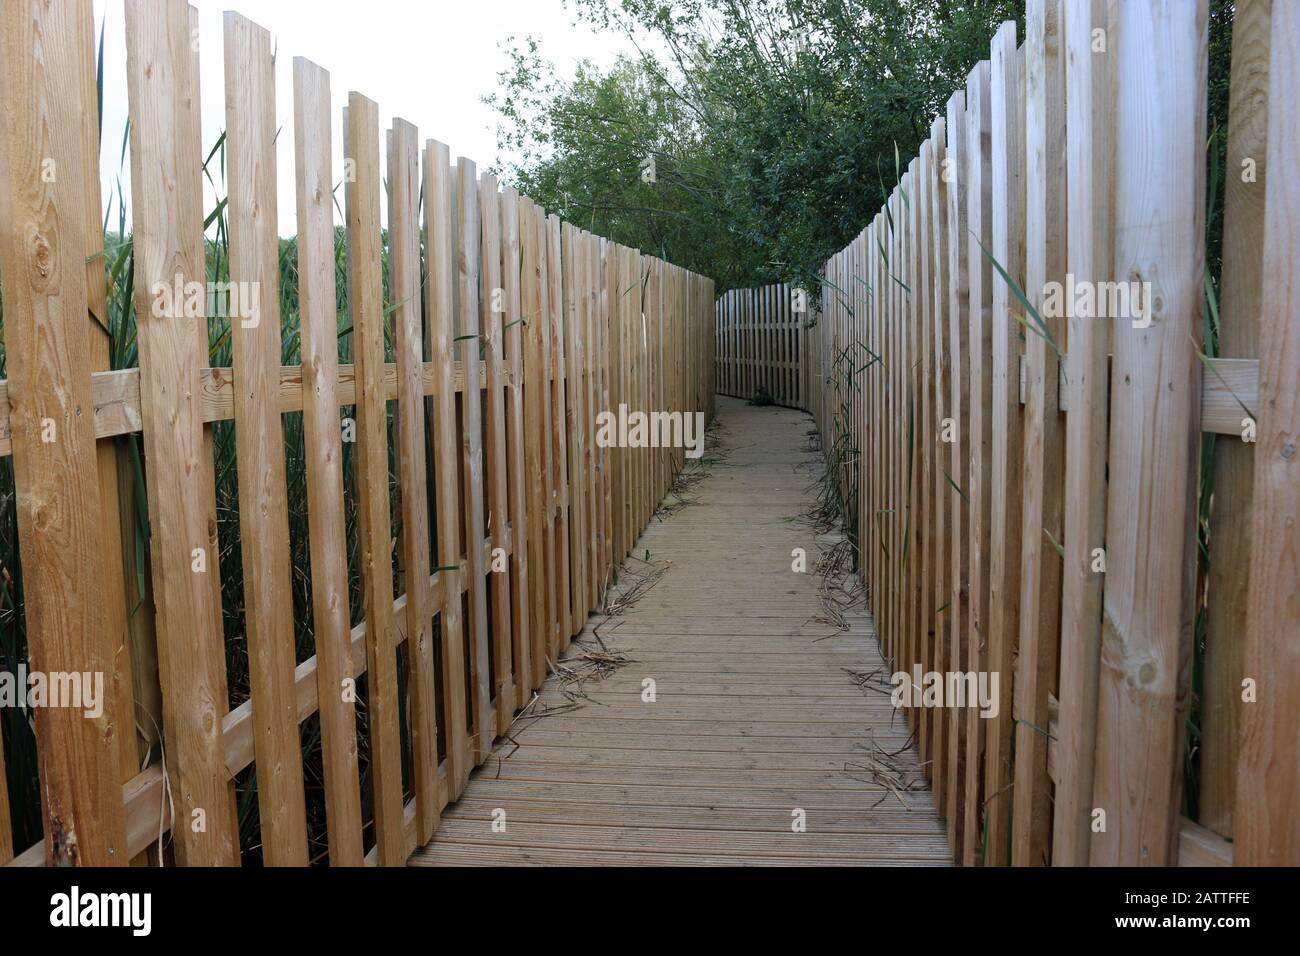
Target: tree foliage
775 127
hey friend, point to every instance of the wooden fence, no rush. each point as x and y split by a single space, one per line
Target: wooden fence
1034 483
760 343
509 329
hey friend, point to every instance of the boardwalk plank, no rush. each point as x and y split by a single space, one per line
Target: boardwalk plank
754 715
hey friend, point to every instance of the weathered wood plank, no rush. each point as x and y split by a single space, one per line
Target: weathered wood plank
365 294
259 440
1008 248
43 259
440 347
959 388
1154 436
516 474
559 438
1088 213
467 284
408 349
322 442
492 306
163 80
1042 476
979 433
1244 190
1267 821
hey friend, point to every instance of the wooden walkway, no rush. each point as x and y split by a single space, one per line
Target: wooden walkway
757 713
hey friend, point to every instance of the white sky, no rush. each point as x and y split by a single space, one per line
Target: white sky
428 61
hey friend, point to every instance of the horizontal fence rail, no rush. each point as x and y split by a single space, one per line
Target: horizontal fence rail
1031 466
477 340
759 343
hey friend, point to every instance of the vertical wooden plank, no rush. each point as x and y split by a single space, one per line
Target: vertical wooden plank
43 259
1267 824
615 276
547 566
595 497
636 456
365 292
1043 462
915 522
513 343
559 434
924 332
642 389
331 613
259 440
599 302
167 215
959 390
575 418
408 350
537 437
940 600
979 431
632 281
125 650
1006 119
440 348
492 302
1244 191
607 305
889 509
1155 434
1088 259
633 331
467 285
898 424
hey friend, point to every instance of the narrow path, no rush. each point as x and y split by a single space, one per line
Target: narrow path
757 712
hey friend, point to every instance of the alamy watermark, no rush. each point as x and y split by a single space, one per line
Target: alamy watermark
946 689
628 429
77 908
1098 300
194 300
76 690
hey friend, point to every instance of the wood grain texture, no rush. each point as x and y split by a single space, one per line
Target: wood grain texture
1154 436
322 443
1244 190
492 306
708 774
440 347
1089 91
126 646
1006 117
958 392
979 198
43 254
167 222
1041 475
559 437
1266 822
413 481
467 285
940 599
516 473
374 523
259 439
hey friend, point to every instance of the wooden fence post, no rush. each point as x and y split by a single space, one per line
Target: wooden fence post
1155 431
43 255
1268 819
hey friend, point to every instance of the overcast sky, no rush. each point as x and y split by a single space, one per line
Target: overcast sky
428 61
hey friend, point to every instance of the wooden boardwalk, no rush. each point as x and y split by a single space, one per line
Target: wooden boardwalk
757 714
